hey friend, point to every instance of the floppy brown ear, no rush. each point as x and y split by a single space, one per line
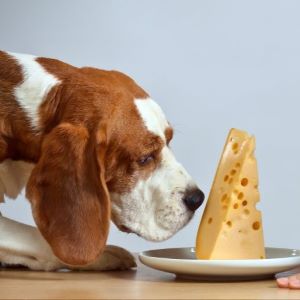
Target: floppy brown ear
68 194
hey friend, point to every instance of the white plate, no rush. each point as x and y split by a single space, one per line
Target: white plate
182 262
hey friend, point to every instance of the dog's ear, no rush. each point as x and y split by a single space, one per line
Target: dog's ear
68 193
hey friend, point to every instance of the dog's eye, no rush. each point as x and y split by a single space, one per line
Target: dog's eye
146 160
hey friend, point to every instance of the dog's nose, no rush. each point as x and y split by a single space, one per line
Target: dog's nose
193 199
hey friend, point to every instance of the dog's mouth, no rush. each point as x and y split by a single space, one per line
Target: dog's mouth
124 228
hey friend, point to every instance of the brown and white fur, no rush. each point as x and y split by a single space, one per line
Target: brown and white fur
89 146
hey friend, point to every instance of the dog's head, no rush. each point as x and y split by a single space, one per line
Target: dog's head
117 161
152 195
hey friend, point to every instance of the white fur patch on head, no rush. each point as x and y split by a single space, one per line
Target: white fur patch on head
153 116
37 83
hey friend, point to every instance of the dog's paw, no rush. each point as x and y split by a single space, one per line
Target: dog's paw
13 260
113 258
120 258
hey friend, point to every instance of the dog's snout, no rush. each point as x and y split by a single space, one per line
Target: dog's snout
193 199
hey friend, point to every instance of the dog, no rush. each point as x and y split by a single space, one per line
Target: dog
89 146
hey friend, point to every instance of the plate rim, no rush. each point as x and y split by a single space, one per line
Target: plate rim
222 270
223 261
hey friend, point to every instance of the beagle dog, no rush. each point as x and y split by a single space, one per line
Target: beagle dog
89 146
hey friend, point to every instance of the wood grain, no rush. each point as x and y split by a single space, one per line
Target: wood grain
143 283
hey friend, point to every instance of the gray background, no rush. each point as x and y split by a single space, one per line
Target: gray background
211 65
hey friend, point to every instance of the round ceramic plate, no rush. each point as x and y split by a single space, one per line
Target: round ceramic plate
182 262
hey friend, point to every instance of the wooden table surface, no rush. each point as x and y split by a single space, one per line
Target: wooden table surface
143 283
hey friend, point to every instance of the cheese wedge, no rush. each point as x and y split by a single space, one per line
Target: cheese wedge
231 226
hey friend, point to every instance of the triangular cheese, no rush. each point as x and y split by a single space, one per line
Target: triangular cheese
231 226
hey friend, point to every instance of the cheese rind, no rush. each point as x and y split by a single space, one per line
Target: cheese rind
231 226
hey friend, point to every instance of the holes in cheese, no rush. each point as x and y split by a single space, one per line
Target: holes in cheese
236 231
233 171
235 146
246 211
224 198
244 182
229 223
240 195
256 225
